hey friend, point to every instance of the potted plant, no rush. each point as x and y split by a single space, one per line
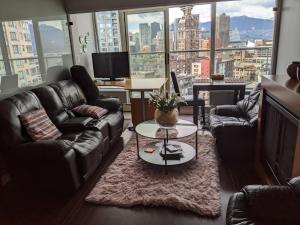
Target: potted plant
166 113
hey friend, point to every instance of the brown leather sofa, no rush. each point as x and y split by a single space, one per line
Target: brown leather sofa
60 165
265 205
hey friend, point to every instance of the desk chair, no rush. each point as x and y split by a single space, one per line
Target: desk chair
190 100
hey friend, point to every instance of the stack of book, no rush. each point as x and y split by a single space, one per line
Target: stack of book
173 152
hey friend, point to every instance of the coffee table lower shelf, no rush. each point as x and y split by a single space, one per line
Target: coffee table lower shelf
155 158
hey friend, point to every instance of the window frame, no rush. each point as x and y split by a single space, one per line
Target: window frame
212 50
39 57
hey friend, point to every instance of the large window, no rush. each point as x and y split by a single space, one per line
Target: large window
244 36
239 47
20 51
146 41
30 47
55 42
108 31
189 40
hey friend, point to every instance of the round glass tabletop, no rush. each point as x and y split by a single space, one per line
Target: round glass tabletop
151 129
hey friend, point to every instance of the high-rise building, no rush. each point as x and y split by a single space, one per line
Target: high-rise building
176 24
145 36
20 45
222 30
155 28
235 35
187 39
108 31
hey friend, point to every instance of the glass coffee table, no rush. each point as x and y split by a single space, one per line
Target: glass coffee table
164 138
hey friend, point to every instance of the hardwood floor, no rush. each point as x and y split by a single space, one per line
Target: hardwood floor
19 208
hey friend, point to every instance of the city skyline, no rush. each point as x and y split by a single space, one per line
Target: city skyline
242 8
187 33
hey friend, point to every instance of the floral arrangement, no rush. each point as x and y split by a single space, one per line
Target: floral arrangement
166 103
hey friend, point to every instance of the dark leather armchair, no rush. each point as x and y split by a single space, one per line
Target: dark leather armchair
265 205
234 127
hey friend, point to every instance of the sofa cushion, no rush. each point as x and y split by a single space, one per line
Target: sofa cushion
90 110
88 146
70 93
39 126
52 104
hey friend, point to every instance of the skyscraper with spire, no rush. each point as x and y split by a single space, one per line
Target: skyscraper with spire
188 38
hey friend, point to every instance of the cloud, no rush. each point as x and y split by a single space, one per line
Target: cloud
135 19
252 8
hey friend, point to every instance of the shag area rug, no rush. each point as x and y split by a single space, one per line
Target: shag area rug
193 186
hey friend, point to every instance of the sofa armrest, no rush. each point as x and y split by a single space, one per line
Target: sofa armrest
75 124
47 165
237 212
111 104
294 183
229 110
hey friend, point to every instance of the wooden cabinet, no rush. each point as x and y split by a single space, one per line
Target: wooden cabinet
278 148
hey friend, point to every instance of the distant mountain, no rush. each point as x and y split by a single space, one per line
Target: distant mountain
249 23
250 28
53 39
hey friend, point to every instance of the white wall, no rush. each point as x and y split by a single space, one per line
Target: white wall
289 42
24 9
83 24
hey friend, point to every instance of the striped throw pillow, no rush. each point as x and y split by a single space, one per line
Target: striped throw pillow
95 112
39 126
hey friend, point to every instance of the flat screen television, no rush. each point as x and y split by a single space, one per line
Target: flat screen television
111 65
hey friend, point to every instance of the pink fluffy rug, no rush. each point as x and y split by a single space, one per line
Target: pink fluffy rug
193 186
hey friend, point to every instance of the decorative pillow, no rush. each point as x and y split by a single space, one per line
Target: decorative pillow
95 112
39 126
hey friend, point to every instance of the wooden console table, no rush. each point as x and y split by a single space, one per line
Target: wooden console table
278 140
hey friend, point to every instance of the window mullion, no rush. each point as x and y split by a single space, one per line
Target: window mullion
39 49
213 37
8 68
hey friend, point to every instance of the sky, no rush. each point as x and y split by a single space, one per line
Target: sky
252 8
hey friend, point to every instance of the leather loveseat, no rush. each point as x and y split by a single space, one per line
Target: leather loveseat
235 126
265 205
63 164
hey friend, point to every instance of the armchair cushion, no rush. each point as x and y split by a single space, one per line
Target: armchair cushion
217 121
229 110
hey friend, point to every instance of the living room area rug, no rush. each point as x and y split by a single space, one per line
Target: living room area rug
193 186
